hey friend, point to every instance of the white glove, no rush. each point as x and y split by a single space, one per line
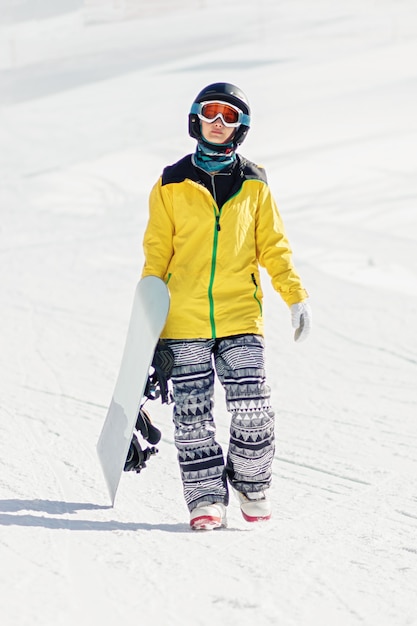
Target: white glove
301 319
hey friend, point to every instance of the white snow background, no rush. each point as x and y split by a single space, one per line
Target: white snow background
91 111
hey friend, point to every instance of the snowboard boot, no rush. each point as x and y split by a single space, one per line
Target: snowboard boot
208 516
255 506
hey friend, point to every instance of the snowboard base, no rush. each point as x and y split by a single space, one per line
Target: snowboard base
149 312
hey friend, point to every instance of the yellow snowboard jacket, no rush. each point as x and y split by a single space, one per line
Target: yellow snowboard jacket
209 255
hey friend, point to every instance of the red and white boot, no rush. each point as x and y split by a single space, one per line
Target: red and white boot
208 516
255 506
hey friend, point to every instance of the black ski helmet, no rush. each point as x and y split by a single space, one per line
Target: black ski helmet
225 92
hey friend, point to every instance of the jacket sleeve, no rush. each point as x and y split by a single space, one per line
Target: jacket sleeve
274 252
158 238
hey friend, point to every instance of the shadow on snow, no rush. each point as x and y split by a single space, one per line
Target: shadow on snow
12 514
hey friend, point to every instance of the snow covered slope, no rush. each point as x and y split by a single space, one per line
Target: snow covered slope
90 114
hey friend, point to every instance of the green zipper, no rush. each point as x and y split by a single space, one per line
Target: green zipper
213 271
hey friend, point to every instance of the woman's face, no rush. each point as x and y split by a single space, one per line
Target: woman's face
216 131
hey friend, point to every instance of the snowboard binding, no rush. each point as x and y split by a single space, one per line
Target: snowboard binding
137 457
156 387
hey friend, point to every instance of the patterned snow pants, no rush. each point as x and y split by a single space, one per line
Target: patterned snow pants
239 364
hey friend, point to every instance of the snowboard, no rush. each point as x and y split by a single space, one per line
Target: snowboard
149 312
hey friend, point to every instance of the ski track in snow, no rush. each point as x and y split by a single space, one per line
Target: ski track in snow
333 90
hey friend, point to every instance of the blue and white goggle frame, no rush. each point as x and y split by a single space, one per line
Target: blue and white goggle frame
242 118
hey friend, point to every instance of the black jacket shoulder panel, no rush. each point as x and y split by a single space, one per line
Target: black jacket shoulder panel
179 171
251 171
184 169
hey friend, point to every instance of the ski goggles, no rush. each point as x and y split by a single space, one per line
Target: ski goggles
231 116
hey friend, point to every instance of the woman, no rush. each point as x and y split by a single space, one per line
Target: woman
212 223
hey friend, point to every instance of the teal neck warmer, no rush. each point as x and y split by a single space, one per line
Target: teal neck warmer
213 161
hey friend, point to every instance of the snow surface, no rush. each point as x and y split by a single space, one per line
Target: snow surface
90 114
